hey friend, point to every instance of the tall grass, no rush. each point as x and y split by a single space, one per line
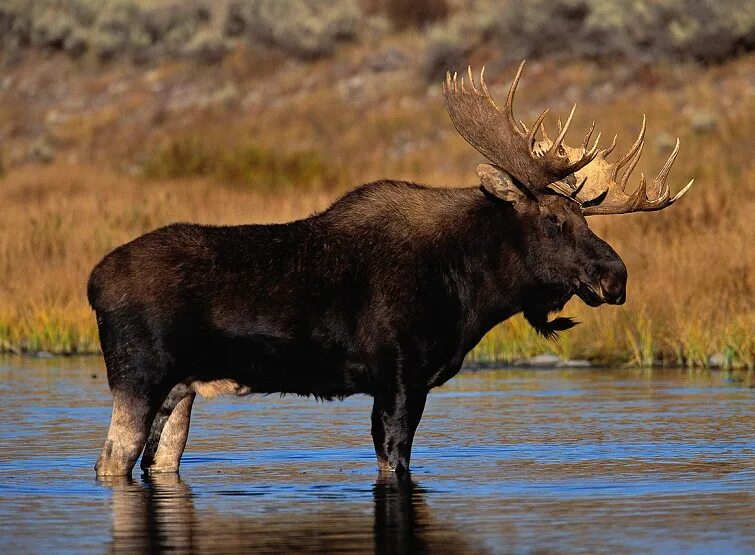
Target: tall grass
247 164
691 267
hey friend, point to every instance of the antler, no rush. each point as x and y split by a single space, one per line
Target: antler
495 134
608 191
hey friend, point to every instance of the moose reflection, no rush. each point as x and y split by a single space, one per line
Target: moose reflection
159 514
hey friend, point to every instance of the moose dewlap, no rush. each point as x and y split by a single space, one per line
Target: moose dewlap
384 293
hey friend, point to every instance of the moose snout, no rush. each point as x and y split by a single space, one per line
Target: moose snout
613 285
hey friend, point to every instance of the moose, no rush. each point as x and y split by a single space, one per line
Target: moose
383 293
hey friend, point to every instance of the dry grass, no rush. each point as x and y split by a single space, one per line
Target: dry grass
692 267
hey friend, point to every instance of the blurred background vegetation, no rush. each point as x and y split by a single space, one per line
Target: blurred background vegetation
117 116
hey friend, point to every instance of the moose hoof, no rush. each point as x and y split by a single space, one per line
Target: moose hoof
111 468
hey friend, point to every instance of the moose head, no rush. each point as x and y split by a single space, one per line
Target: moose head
551 188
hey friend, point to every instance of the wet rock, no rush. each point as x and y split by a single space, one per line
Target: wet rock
545 360
575 363
549 360
717 360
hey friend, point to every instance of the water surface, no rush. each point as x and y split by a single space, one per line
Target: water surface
505 461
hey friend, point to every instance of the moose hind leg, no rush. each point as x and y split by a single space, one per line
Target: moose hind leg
170 430
129 424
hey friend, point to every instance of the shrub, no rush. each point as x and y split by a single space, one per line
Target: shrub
704 30
304 28
245 164
185 157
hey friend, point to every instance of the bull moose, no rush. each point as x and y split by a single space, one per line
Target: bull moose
383 293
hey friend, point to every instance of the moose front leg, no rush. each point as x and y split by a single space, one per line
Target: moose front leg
395 417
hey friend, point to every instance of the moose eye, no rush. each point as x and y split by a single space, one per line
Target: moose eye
554 223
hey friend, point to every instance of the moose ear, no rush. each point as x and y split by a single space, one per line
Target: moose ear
498 183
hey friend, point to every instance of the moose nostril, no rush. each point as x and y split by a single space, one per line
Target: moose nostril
613 290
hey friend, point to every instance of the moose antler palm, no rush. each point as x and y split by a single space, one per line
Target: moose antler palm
601 175
495 134
550 165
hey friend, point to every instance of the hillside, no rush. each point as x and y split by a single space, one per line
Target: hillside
209 122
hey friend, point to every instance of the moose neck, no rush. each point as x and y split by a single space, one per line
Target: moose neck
493 281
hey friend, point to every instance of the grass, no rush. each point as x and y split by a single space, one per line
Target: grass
307 138
246 164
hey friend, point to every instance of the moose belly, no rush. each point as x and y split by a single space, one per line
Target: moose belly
243 367
215 388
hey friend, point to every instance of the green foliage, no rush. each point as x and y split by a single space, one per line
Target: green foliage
705 30
144 32
303 28
245 164
640 333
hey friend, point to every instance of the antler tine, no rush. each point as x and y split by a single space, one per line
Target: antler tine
586 140
471 79
680 194
606 151
508 107
639 198
659 187
578 188
544 133
630 168
593 152
637 143
557 143
531 134
484 87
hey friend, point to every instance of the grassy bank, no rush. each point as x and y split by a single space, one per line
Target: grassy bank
221 145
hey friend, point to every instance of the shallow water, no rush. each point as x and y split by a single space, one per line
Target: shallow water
504 461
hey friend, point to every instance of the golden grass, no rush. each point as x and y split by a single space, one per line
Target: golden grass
691 267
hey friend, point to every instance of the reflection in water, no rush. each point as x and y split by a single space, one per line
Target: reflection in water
399 509
158 514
